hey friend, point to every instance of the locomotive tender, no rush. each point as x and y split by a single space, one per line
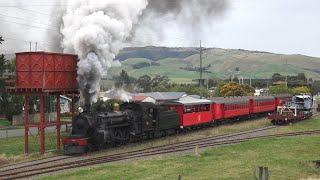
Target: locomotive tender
137 121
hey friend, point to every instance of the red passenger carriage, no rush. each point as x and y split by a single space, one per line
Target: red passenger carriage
227 108
193 111
262 104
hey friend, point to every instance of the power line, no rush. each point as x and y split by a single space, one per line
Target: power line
27 41
28 20
30 11
37 5
33 11
30 25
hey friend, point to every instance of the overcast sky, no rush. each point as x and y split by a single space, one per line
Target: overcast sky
280 26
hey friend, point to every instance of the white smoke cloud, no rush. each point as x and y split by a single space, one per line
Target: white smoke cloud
96 30
178 22
118 93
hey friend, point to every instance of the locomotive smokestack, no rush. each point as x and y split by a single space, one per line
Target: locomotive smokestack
87 107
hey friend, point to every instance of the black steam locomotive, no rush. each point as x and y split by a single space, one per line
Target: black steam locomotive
134 121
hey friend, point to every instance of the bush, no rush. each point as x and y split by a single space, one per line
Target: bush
300 90
279 89
235 89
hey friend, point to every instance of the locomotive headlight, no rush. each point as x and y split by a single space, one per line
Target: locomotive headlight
80 109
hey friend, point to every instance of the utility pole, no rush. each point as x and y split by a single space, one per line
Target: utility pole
200 80
36 46
200 65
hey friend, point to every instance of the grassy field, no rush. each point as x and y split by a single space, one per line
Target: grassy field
287 158
4 122
12 149
222 62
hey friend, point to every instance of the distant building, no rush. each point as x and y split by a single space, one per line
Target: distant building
137 98
142 97
164 96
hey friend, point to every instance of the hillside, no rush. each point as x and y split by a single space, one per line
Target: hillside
181 64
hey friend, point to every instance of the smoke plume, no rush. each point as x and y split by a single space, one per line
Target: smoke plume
178 22
95 30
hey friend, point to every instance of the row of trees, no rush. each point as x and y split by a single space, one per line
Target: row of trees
283 89
9 104
159 83
147 83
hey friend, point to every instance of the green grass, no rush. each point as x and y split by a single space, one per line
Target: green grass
4 122
287 158
310 124
15 145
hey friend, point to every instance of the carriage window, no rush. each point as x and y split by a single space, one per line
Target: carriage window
196 108
187 109
205 107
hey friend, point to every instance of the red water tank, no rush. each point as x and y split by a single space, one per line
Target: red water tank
46 71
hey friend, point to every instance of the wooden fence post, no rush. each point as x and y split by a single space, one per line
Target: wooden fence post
262 173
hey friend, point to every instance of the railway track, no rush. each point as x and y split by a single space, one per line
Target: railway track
36 169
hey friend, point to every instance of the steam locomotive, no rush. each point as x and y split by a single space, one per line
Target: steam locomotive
138 121
134 121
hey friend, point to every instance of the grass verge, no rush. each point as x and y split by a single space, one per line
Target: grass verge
12 149
4 122
287 158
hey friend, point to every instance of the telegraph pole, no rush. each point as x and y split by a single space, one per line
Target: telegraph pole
200 80
200 65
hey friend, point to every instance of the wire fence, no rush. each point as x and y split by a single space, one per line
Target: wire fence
12 140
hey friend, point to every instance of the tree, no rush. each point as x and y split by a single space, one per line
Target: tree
315 87
3 61
300 90
279 89
247 89
190 89
277 77
124 81
302 77
160 83
213 82
144 82
9 105
217 91
103 106
235 89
